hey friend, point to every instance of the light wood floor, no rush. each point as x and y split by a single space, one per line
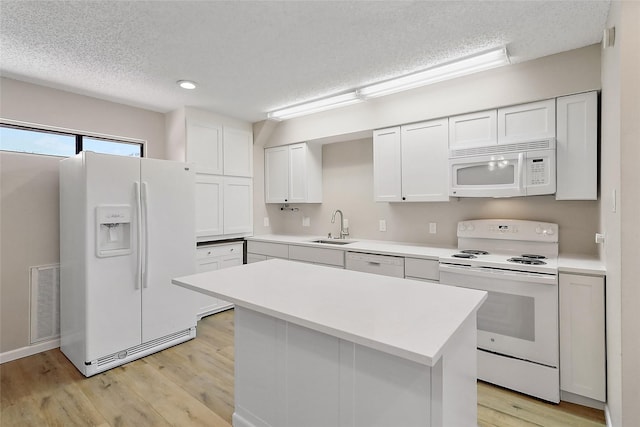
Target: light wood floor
192 385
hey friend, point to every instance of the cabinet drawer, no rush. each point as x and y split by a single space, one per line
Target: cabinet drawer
422 269
277 250
317 255
203 252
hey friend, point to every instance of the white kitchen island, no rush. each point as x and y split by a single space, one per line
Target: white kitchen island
319 346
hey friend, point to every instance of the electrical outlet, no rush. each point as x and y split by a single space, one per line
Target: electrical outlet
345 223
306 221
383 225
433 228
265 222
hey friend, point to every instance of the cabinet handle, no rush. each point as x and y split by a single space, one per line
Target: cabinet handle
404 198
285 200
231 249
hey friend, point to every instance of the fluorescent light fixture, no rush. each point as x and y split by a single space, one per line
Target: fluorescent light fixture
314 106
468 65
186 84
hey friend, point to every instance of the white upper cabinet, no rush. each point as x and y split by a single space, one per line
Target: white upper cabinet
293 174
238 152
387 165
219 150
222 151
238 205
410 162
577 147
473 130
526 122
425 169
204 146
276 174
209 206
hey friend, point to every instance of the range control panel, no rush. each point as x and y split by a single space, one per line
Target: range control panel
508 229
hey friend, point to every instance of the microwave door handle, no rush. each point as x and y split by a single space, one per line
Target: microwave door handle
521 173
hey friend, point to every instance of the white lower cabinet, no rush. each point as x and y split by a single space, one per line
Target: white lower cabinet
383 265
427 270
582 336
320 256
260 251
216 257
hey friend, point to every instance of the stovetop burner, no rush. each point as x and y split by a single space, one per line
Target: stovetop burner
533 256
526 260
464 255
475 252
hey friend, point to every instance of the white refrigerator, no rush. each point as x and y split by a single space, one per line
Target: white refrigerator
127 227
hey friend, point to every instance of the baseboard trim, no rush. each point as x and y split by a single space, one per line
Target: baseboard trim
607 415
29 350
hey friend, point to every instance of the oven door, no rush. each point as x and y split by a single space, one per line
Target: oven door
500 175
519 317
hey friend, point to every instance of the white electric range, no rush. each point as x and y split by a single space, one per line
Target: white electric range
515 261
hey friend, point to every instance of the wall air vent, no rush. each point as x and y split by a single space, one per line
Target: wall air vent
45 303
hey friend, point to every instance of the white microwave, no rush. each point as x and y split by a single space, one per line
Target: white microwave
510 170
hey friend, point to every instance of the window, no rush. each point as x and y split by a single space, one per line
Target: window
37 142
111 147
59 143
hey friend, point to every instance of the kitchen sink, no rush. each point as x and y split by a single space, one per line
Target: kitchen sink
333 241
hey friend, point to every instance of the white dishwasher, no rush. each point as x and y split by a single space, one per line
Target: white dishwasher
385 265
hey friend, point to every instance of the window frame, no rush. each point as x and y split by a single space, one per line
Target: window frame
78 134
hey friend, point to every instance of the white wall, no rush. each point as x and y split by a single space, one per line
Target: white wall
29 208
620 153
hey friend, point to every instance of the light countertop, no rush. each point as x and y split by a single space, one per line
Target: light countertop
415 324
567 263
362 245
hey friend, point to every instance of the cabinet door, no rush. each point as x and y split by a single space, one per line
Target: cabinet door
425 166
204 146
209 206
387 164
276 174
206 303
582 336
298 173
473 130
526 122
238 203
238 152
577 147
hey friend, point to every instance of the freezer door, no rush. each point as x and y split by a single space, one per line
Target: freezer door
168 201
113 296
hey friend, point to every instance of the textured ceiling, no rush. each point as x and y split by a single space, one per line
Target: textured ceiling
250 57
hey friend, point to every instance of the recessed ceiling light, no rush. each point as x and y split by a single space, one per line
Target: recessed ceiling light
186 84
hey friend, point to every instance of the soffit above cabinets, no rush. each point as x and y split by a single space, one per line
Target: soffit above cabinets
252 57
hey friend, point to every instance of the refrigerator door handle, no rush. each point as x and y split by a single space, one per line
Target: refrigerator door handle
138 280
145 221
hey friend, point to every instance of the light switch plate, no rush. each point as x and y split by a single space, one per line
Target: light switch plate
265 222
306 221
383 225
433 228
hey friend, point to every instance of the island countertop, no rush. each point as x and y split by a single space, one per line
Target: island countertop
406 318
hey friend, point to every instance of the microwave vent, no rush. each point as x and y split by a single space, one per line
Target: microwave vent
544 144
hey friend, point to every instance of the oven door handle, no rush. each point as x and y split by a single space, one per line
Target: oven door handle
520 276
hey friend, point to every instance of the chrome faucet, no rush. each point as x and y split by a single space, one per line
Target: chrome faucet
344 231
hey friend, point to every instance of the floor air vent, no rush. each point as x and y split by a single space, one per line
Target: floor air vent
45 303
